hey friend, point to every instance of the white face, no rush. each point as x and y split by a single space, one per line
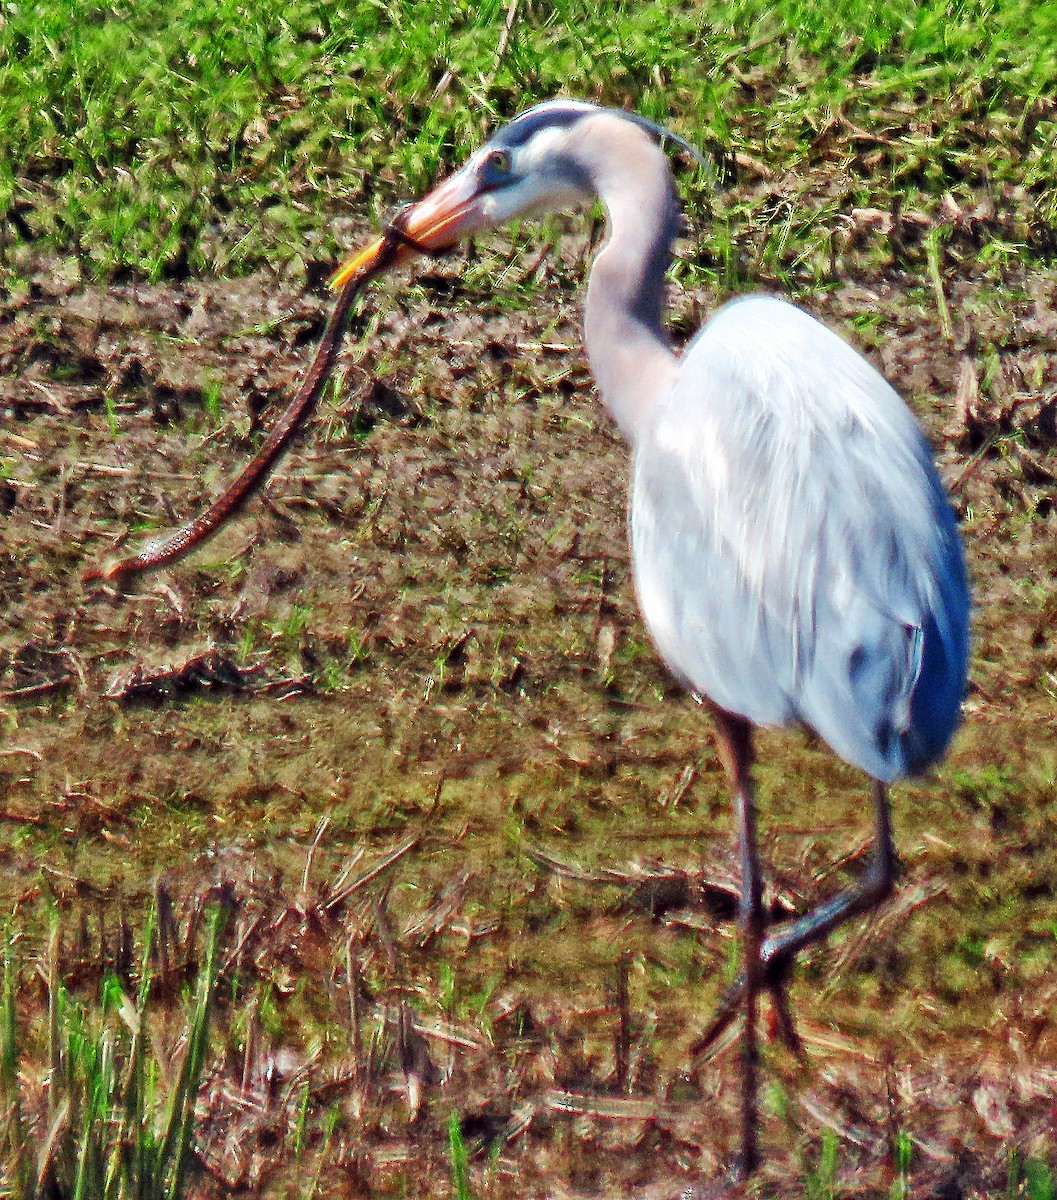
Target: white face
499 183
543 178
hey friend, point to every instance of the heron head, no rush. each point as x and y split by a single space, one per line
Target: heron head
531 165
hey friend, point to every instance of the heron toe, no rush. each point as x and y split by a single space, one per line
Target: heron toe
775 976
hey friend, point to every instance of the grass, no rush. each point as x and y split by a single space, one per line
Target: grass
197 137
460 1160
110 1129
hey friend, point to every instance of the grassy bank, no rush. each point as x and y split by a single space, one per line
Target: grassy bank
206 136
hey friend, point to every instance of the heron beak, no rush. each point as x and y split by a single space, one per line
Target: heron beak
364 258
437 221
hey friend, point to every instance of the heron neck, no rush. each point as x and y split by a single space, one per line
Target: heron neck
630 356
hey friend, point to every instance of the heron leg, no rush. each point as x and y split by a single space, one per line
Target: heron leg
734 741
875 885
781 945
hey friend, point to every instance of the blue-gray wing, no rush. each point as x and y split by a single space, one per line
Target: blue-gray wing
795 555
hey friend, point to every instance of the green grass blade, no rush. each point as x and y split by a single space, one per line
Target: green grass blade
18 1151
179 1126
460 1159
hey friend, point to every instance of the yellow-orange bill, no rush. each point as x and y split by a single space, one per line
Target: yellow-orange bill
355 264
437 221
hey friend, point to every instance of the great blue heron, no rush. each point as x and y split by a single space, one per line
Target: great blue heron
794 553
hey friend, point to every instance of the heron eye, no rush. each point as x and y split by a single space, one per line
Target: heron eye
500 161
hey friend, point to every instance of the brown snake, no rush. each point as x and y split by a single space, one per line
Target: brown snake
196 531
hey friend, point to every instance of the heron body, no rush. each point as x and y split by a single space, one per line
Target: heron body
795 556
794 553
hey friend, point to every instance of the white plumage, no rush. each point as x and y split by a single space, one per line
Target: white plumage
794 553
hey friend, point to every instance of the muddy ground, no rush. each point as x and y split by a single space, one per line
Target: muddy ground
421 640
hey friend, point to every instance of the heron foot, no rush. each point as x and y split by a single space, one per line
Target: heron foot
775 979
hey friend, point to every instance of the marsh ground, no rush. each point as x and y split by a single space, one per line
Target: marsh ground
425 629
